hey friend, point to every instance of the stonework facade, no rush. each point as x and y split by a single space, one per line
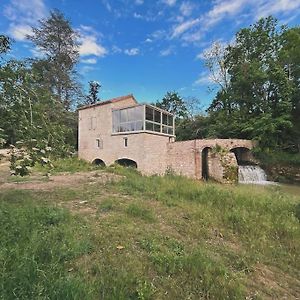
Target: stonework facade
154 152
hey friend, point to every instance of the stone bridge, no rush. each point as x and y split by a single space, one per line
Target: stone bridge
206 158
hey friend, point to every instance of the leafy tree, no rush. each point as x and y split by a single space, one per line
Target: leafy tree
173 103
257 102
4 43
92 98
57 41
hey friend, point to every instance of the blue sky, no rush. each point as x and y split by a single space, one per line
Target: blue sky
145 47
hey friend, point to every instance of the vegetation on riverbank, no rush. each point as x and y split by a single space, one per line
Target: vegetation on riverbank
148 238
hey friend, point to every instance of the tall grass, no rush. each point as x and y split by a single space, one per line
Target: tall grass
146 238
37 244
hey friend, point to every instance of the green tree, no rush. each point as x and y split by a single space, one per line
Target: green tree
257 103
57 42
173 103
94 87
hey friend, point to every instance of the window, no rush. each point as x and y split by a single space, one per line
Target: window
128 119
92 123
99 143
142 117
125 142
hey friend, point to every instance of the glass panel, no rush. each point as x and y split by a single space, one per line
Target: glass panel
149 126
157 116
157 127
123 117
165 119
138 113
165 129
149 113
139 125
170 120
170 130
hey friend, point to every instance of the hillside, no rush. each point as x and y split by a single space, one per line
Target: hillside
114 234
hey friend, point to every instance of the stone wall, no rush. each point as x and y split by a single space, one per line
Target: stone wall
153 153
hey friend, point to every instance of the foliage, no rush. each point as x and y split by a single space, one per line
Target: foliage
4 43
92 98
257 102
57 41
173 103
25 155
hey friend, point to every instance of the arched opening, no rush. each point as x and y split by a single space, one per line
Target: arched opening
125 162
98 162
243 155
205 165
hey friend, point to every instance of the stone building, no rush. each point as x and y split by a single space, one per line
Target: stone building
123 131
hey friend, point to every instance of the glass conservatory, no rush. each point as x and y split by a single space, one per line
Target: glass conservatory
143 118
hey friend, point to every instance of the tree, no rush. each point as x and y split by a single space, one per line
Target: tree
92 98
57 41
173 103
4 43
257 101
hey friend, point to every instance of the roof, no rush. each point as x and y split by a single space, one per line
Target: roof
113 100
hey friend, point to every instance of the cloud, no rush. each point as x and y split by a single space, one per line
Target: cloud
107 5
20 31
90 46
166 52
89 42
276 7
183 27
169 2
23 14
139 2
148 40
204 79
90 61
186 8
116 49
132 51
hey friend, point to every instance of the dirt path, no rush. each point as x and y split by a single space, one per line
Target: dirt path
39 182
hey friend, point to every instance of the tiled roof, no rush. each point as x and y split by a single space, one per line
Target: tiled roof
113 100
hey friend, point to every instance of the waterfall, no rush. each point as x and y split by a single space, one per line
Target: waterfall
253 174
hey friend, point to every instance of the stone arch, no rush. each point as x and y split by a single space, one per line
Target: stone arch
205 153
126 162
243 155
99 162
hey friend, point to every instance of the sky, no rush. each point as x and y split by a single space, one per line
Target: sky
144 47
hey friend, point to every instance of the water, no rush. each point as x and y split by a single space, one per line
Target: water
253 175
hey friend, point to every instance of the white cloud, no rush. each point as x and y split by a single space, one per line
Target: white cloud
166 52
20 31
116 49
148 40
204 79
90 61
186 8
276 7
89 46
169 2
132 51
23 14
107 5
89 42
183 27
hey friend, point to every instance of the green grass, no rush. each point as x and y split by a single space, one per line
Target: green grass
71 165
149 238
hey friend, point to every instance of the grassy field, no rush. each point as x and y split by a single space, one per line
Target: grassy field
136 237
